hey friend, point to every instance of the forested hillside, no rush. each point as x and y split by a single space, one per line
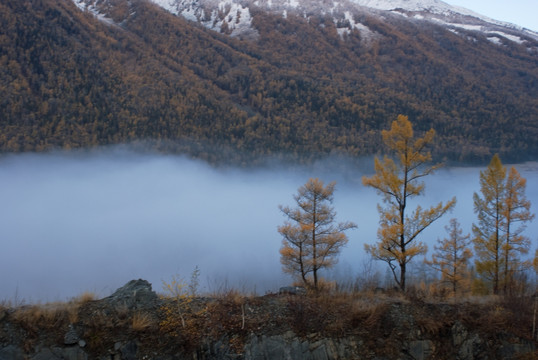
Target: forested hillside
71 80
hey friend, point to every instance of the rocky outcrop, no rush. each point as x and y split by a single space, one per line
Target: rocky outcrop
290 347
118 327
136 294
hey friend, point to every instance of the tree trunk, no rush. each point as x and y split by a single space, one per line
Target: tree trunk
402 276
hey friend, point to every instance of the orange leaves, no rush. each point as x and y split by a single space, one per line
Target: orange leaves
451 258
397 181
311 241
399 139
502 210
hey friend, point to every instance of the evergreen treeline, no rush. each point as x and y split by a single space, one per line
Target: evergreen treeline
70 80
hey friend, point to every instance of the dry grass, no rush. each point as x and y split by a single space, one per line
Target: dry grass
231 316
4 305
96 328
37 317
141 321
85 297
337 314
72 312
3 310
227 313
41 320
495 314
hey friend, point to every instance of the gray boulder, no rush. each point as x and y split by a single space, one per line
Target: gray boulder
71 337
292 290
136 294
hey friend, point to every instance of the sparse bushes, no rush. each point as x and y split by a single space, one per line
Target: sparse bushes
84 298
332 314
45 320
180 316
141 321
40 317
180 297
228 314
103 324
231 317
37 320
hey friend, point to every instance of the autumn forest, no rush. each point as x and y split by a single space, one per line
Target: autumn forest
68 80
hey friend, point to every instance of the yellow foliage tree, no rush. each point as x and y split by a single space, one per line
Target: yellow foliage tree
397 181
311 240
451 258
179 294
503 212
516 211
487 233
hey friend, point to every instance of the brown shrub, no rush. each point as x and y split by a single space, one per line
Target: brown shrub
141 321
35 318
226 314
518 315
336 314
98 323
306 315
85 298
40 320
184 325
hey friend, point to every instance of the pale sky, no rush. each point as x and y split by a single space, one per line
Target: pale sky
519 12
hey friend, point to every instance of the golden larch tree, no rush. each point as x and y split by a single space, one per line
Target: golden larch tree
487 233
397 181
451 258
311 238
516 213
503 212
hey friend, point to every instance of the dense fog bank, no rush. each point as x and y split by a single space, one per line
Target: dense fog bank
74 223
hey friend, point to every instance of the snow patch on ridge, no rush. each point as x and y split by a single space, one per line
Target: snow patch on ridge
293 3
485 30
495 40
350 23
430 6
226 16
233 17
91 7
441 12
513 38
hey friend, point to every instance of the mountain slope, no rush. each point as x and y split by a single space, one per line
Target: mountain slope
123 71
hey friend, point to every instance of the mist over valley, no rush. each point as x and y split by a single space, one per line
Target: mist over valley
75 222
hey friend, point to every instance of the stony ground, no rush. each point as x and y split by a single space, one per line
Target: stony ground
134 323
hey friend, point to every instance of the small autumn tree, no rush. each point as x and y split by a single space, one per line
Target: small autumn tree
311 238
397 181
487 233
181 294
451 258
516 213
503 212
